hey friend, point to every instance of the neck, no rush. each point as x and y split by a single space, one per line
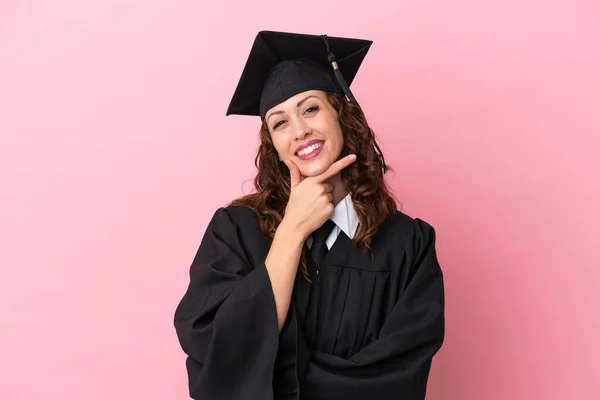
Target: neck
339 192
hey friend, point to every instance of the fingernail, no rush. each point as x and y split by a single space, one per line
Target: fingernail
353 156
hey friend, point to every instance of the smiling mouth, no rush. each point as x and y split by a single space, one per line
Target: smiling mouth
308 150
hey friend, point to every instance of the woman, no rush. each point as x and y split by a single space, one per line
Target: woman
315 286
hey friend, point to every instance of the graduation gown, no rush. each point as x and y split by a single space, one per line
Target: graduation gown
367 328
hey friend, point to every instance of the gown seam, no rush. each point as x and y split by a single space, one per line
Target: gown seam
364 335
341 316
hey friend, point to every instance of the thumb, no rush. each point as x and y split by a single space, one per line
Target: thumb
294 173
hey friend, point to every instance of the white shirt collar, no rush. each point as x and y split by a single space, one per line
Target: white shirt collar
345 217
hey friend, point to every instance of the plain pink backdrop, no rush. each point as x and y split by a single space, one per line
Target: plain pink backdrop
115 151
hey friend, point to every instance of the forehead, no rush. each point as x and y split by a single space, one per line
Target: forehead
293 101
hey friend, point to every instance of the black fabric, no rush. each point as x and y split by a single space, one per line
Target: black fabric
380 320
281 65
318 247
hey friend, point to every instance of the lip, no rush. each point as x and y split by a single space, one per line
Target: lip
309 143
311 155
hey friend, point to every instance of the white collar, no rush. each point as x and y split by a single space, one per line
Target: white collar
345 216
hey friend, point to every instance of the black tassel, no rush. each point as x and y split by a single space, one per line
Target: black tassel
342 82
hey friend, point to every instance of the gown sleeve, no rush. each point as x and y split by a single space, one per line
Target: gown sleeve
396 365
226 322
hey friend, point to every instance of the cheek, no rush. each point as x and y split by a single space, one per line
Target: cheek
337 134
281 144
328 125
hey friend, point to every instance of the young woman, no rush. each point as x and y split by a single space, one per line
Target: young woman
315 286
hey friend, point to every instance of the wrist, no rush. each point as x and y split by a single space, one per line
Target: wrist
292 232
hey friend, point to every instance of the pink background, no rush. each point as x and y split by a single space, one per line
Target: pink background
115 151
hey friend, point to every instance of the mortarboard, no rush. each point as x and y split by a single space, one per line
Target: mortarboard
281 65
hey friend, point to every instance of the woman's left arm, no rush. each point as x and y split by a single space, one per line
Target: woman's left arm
396 365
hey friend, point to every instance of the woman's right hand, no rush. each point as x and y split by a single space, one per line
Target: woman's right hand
311 200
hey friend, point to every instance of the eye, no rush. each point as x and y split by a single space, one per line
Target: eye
311 110
278 124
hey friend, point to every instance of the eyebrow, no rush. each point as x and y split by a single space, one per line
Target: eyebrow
297 105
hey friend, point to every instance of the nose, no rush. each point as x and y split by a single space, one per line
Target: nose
301 128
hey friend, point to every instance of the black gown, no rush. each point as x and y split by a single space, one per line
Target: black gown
366 329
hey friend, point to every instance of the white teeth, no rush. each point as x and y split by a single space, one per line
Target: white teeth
310 149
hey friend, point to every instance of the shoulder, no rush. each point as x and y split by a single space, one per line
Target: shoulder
234 217
236 229
413 233
238 226
235 214
403 223
411 243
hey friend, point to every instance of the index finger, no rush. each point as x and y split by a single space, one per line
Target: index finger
336 167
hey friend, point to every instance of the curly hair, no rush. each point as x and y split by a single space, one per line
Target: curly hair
363 179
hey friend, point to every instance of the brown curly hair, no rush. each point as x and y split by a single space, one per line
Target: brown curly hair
363 179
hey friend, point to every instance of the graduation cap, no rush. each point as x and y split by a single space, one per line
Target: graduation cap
281 65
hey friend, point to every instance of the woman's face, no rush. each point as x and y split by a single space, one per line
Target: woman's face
305 129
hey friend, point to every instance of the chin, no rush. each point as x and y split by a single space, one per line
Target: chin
315 170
